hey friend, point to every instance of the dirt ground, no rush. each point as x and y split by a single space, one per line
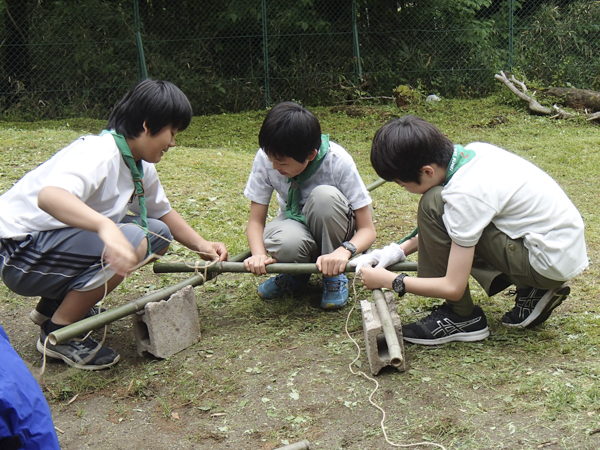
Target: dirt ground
265 381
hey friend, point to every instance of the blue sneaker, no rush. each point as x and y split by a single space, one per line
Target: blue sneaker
335 292
282 284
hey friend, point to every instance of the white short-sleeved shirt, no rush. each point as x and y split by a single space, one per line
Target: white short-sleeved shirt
522 201
92 169
337 169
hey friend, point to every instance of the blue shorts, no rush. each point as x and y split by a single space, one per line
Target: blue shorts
52 263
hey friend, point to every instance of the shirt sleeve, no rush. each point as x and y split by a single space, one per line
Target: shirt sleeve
259 188
465 217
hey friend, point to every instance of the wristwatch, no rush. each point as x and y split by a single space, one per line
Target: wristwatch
350 247
398 284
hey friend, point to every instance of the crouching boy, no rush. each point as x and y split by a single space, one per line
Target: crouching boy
324 208
483 211
64 229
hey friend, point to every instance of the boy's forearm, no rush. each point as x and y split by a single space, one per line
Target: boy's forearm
182 232
254 233
70 210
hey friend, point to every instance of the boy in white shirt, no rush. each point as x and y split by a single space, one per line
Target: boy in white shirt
324 207
483 211
64 230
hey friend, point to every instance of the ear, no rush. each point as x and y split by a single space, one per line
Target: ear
428 171
146 129
312 155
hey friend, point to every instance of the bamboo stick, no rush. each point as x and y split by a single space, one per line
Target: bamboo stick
302 445
287 268
389 331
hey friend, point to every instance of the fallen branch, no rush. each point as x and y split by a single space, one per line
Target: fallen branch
534 106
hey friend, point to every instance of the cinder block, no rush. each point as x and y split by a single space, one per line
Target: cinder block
166 327
376 345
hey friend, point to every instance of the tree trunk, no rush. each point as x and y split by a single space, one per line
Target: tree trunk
576 98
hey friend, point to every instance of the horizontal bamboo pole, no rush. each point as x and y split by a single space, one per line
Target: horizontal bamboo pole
287 268
99 320
389 331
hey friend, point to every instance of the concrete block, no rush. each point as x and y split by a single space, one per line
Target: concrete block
169 326
376 346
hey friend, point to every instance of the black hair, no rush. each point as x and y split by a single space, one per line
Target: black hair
402 147
158 103
290 130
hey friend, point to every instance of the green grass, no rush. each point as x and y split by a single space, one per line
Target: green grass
509 391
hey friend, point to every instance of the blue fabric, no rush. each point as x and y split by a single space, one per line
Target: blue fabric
24 411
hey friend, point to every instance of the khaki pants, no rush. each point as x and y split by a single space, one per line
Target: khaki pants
330 221
498 263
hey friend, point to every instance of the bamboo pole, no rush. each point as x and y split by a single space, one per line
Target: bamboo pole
302 445
287 268
389 331
113 314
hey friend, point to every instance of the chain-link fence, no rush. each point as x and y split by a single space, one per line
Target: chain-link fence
78 57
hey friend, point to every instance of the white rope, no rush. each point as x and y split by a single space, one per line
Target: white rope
360 372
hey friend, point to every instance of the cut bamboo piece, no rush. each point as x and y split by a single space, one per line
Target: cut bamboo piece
389 332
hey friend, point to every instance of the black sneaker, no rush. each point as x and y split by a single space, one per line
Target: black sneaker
46 308
443 326
84 354
533 306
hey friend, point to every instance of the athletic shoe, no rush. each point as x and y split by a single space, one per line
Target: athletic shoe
282 284
46 308
533 306
335 292
443 325
86 354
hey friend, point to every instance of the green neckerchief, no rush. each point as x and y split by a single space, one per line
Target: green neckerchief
460 157
292 209
137 173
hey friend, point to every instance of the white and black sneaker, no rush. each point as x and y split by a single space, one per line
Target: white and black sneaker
533 306
86 354
443 326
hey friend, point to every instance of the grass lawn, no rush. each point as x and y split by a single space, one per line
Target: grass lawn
267 374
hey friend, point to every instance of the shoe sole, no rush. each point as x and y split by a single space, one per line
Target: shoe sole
333 306
549 301
472 336
52 354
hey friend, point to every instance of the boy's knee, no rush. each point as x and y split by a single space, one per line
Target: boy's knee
431 203
325 201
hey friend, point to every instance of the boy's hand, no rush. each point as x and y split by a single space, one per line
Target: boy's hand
377 277
333 263
256 264
119 252
217 248
386 256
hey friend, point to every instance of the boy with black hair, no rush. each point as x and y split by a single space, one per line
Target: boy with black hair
65 234
324 207
484 211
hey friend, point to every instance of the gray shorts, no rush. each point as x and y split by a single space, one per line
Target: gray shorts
52 263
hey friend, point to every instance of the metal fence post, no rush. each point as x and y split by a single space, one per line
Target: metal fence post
357 63
143 71
266 53
511 9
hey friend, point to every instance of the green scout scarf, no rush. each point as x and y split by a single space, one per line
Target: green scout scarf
137 173
460 157
292 209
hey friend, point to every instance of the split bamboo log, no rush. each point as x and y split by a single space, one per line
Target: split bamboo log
389 332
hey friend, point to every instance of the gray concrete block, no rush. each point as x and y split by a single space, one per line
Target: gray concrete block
169 326
376 346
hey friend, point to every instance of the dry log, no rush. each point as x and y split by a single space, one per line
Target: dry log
576 98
